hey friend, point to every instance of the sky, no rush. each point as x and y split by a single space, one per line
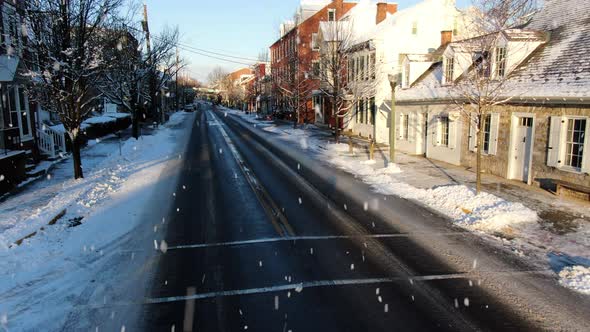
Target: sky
241 28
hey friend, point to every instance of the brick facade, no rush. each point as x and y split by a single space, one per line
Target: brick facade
292 56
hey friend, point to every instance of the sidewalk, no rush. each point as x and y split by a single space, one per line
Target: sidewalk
40 200
546 230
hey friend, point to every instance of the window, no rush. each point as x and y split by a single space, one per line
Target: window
487 123
576 132
372 110
316 68
405 127
444 131
373 66
358 69
362 65
368 68
526 122
350 69
357 111
314 42
449 70
500 62
331 15
415 28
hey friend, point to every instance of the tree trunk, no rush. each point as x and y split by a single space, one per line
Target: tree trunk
479 145
136 112
135 123
77 157
336 121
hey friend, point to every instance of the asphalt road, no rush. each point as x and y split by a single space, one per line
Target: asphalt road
250 245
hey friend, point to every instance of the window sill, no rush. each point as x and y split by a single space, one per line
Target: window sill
570 169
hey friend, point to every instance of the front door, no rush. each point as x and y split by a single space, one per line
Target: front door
522 145
424 119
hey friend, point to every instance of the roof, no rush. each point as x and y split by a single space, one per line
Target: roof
562 66
558 69
335 30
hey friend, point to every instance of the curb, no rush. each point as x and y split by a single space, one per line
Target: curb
53 221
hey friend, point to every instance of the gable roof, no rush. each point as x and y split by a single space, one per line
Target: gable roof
559 69
562 66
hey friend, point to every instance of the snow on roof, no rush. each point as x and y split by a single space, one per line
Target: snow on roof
562 66
558 69
392 20
335 30
99 120
420 57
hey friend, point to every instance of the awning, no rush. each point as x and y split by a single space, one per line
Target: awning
8 66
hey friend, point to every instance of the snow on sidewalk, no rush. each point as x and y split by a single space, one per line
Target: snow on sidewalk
43 280
511 223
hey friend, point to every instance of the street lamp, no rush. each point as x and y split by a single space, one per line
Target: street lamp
393 84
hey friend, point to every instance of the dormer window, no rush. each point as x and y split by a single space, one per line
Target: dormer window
482 63
331 15
449 69
500 62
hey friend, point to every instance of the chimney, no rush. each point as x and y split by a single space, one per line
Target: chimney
383 8
446 36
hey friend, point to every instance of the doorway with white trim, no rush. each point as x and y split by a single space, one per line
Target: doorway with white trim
521 147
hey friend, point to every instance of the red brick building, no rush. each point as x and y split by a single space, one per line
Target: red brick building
293 57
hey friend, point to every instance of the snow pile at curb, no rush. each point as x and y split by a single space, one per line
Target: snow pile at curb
576 278
81 196
484 212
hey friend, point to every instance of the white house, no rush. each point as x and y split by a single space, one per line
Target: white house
536 132
415 30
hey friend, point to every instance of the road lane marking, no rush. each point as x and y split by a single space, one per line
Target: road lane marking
299 287
308 238
277 218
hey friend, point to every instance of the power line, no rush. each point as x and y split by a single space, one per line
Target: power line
214 55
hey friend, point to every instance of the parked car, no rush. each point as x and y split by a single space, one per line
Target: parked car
189 107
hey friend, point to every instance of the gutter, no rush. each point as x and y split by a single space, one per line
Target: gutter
524 100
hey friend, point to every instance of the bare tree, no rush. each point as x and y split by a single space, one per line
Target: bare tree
124 83
345 79
163 64
132 71
68 43
294 85
482 65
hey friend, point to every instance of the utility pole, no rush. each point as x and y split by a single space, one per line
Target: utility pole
146 29
150 61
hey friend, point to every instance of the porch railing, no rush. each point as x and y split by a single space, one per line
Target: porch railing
59 139
46 143
51 141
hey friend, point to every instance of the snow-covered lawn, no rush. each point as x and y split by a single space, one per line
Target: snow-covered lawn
43 280
512 220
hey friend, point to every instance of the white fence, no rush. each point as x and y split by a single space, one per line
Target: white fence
51 142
